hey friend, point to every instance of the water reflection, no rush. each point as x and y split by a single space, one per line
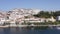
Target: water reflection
29 30
6 30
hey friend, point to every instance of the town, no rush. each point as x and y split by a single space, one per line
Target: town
22 17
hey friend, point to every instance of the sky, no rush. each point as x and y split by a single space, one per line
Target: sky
35 4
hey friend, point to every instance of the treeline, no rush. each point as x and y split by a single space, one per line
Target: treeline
47 14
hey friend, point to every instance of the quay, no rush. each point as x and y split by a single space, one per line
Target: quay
28 26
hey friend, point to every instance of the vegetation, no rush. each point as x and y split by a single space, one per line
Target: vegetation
47 14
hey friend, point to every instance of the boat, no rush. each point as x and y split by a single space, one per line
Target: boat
58 27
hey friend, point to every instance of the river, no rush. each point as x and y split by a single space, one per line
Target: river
25 30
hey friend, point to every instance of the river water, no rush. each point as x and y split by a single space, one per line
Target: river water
20 30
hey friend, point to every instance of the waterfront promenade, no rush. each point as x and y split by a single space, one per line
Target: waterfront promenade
27 25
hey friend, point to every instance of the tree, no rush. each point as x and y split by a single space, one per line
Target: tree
44 14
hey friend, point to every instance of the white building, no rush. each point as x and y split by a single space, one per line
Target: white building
58 18
12 23
2 20
50 19
35 20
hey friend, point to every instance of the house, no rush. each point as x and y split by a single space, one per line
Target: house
58 18
12 23
50 19
34 20
2 18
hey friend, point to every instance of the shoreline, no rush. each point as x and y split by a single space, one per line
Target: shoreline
27 26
